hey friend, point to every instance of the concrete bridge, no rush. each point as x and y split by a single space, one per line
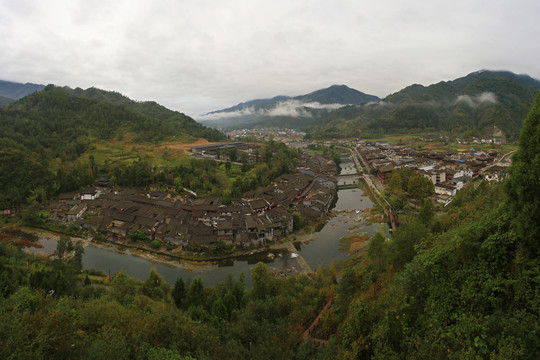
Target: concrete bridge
348 181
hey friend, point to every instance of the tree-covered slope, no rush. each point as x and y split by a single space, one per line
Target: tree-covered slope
91 317
55 126
178 120
464 284
48 120
469 105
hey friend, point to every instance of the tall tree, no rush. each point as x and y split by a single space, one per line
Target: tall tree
427 212
376 248
394 186
232 154
195 293
154 286
262 281
523 186
123 288
64 246
179 293
420 187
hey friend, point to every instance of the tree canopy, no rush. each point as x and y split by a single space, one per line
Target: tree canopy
44 135
523 187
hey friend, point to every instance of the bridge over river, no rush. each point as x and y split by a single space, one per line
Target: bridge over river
347 181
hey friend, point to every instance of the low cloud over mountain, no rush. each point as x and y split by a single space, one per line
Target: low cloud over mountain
473 101
304 106
292 107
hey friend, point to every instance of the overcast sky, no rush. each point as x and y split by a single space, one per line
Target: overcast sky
197 56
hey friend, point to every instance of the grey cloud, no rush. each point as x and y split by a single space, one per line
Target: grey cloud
175 52
473 101
297 108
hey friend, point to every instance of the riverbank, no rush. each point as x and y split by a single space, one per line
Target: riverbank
317 244
188 262
195 262
306 269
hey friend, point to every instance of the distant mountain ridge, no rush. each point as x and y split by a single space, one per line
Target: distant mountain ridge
338 94
252 103
6 100
290 111
14 91
335 94
484 80
467 105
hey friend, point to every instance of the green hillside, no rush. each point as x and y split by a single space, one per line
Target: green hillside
43 136
180 121
464 284
461 284
471 105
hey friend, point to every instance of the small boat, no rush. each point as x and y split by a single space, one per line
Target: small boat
294 255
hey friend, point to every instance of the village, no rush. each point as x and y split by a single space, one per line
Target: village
448 171
158 215
188 223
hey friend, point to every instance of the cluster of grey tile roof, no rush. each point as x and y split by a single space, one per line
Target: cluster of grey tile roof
252 220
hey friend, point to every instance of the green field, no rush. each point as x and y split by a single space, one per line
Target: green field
414 141
125 151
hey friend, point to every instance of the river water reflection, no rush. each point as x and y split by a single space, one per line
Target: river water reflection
323 249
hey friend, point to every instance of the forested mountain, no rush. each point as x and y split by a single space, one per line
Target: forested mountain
57 126
462 284
180 121
338 94
5 100
287 111
15 91
470 105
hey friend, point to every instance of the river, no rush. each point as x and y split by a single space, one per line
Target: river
322 249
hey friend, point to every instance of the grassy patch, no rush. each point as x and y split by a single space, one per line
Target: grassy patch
353 243
125 151
413 140
315 152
